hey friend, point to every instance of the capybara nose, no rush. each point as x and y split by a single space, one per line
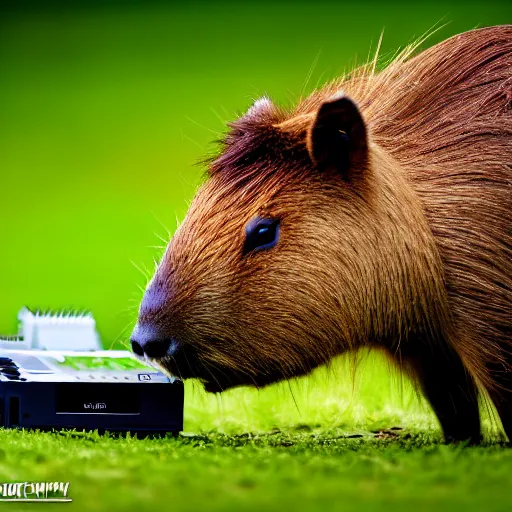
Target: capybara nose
145 341
151 348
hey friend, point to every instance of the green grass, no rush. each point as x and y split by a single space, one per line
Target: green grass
322 443
296 471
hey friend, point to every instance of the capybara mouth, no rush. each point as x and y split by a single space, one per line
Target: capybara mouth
214 378
209 362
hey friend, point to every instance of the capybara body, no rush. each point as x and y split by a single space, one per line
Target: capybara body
375 213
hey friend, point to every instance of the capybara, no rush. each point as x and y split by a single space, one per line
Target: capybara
376 213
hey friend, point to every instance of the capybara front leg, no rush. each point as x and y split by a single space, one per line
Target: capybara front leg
501 395
450 389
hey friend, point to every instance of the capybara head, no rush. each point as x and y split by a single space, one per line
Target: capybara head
291 252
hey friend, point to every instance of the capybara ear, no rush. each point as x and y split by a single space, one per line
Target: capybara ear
337 138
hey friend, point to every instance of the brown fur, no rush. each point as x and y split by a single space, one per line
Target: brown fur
411 251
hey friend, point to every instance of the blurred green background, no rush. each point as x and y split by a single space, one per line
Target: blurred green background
105 108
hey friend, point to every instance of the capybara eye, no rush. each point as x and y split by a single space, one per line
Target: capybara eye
261 233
